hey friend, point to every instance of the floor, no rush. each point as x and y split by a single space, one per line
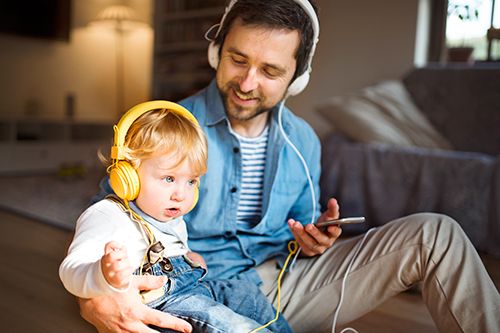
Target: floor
33 299
49 197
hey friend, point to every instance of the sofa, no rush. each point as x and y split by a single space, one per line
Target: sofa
427 142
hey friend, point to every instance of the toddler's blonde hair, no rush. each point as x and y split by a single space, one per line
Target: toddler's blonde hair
162 131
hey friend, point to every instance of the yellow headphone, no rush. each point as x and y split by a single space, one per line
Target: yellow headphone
123 177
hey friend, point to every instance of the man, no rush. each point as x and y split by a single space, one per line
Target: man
246 215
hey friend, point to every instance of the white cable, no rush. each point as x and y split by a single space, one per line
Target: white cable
344 283
306 169
313 199
308 174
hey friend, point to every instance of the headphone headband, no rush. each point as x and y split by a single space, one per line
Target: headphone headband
123 177
135 112
301 81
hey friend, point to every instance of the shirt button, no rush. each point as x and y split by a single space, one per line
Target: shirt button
236 150
234 189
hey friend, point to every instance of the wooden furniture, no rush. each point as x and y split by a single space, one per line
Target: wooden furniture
180 65
41 145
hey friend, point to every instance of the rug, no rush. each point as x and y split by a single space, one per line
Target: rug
54 199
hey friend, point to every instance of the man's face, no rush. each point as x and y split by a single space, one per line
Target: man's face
255 69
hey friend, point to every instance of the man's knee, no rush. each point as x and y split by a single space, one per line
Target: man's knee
438 222
436 227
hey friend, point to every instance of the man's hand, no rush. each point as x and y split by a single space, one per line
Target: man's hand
312 240
125 313
196 257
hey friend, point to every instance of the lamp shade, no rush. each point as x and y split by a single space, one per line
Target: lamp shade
119 17
116 13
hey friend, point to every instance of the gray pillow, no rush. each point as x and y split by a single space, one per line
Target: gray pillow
383 113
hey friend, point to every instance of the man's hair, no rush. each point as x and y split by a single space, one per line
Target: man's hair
275 14
162 131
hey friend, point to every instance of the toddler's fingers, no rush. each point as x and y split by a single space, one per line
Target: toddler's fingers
113 246
115 249
119 266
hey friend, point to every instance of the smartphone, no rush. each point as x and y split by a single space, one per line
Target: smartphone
345 220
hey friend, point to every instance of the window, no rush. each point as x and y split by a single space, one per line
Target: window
467 25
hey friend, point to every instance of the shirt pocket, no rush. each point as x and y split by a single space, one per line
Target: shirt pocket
283 196
290 187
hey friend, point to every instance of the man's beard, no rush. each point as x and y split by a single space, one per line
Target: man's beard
238 112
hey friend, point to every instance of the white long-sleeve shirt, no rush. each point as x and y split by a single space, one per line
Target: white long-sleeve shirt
80 271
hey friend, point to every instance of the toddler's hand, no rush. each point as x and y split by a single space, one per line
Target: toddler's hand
115 265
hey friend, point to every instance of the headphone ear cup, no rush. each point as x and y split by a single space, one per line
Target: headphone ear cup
124 180
195 200
213 55
298 84
196 196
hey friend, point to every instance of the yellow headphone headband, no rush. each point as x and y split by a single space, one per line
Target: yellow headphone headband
123 178
135 112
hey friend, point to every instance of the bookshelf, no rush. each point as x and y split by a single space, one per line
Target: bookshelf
180 66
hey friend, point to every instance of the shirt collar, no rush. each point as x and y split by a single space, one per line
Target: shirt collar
215 106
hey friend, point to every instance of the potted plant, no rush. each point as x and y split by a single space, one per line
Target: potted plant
465 12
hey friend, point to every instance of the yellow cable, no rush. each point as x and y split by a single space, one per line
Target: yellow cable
146 229
292 249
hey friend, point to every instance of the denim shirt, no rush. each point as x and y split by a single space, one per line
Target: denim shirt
212 226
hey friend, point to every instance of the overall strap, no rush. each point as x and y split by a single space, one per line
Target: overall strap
154 253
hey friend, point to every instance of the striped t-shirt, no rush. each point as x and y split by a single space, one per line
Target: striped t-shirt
253 157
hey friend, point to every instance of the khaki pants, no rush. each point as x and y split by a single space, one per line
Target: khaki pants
427 248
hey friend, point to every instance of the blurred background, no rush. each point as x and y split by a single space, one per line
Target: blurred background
70 68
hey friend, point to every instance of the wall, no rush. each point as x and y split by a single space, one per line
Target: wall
361 42
38 74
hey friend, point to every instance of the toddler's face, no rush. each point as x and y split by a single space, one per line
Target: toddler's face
167 191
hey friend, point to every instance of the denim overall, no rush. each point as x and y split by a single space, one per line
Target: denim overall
217 306
211 306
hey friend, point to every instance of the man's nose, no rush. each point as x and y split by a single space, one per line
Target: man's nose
249 81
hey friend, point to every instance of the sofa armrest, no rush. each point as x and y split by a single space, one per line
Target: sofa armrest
383 182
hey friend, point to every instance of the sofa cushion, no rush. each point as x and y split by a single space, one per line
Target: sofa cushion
383 113
383 183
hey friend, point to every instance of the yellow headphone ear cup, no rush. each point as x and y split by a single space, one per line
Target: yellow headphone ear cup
196 196
195 201
124 180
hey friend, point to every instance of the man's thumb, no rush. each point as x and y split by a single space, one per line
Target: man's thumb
148 282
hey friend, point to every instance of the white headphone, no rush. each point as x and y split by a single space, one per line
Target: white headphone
301 81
